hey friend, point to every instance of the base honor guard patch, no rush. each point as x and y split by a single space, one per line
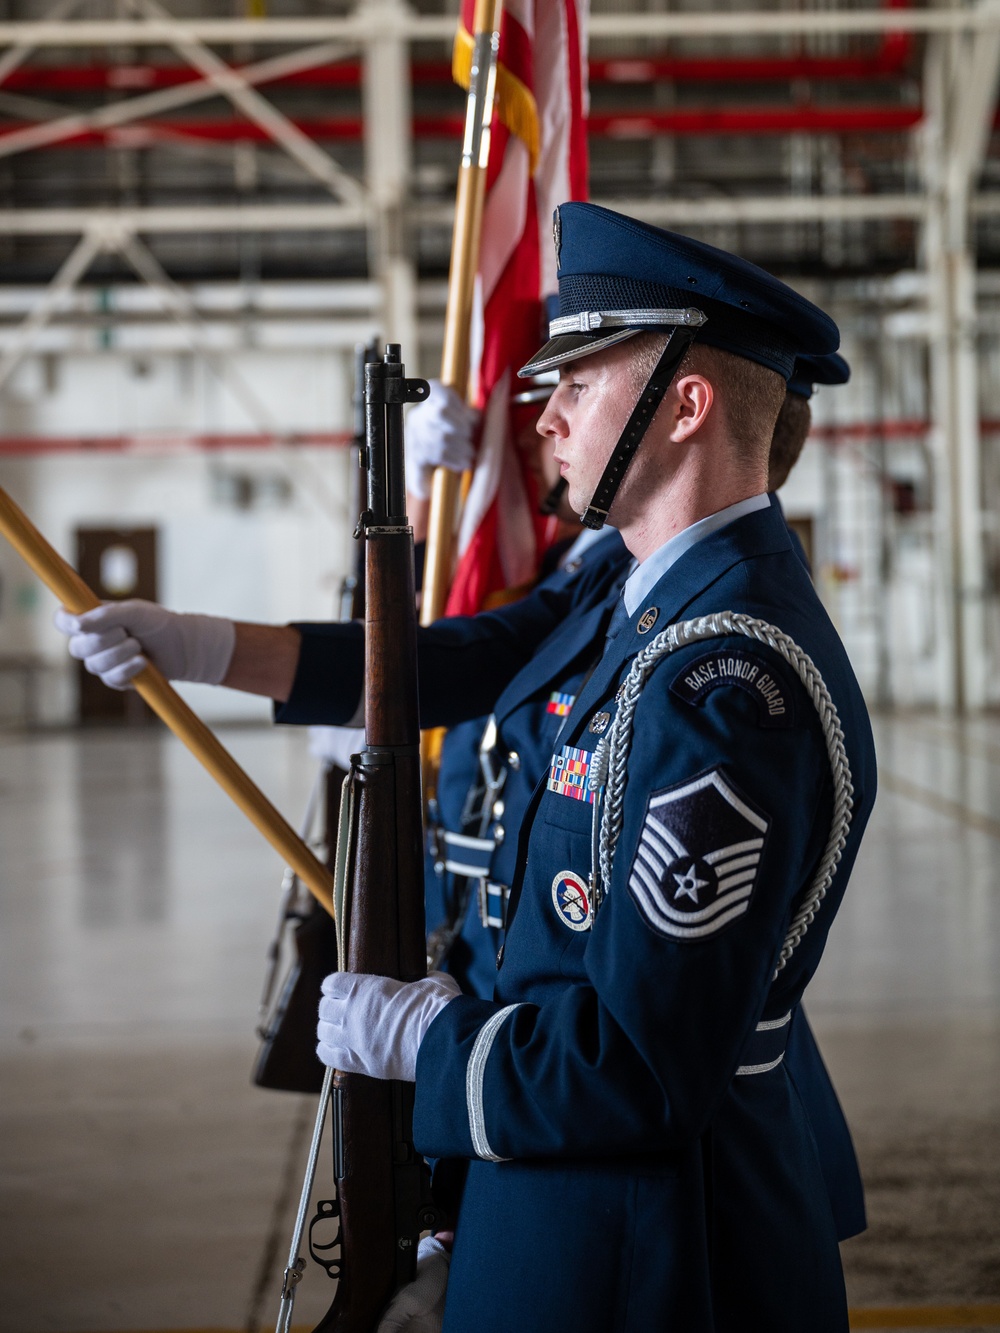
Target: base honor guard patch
560 704
696 864
568 773
750 672
571 898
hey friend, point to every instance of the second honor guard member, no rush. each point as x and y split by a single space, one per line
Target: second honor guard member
638 1156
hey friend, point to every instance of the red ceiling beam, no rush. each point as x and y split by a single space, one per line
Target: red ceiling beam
885 63
799 119
148 445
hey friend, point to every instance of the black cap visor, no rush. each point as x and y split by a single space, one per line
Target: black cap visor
571 347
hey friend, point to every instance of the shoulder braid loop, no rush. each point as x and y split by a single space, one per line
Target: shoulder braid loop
612 757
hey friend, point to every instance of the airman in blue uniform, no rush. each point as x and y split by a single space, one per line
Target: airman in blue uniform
639 1157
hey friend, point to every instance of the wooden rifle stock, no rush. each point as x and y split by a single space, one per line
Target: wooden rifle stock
382 1200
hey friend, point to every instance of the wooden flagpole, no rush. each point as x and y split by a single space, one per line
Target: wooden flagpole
461 285
77 597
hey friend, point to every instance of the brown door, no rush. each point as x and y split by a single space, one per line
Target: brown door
117 563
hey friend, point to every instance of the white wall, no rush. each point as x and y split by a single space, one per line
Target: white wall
280 561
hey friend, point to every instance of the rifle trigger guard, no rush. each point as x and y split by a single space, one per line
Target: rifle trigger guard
325 1209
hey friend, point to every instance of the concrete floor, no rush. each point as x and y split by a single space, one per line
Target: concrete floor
146 1185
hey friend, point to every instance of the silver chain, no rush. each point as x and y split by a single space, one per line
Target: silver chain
610 762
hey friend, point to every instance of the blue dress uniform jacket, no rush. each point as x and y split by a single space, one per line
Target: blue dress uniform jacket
571 606
623 1174
525 748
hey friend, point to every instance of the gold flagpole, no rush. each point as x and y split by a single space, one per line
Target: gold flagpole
62 579
446 486
461 284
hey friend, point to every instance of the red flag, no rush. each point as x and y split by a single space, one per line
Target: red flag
538 159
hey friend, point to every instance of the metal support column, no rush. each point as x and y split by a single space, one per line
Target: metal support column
959 112
388 154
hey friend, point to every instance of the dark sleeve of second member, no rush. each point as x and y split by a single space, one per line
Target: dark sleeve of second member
464 662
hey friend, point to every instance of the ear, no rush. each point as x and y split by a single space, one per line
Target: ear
692 404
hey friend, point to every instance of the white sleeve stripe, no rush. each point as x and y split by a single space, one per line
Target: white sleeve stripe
770 1024
761 1069
475 1076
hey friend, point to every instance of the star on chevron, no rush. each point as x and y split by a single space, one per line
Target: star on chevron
688 885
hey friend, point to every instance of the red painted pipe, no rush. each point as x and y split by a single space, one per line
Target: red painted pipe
181 442
801 119
890 60
177 443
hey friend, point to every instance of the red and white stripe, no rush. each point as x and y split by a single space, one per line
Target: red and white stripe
542 43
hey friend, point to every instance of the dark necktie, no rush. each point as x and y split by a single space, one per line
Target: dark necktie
619 619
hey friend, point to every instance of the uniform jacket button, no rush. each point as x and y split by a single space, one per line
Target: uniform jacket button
514 760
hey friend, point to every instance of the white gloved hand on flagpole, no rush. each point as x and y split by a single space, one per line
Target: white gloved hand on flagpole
117 639
438 433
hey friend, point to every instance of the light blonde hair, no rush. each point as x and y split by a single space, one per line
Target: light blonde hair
750 395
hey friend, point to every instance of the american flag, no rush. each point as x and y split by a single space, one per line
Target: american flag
538 159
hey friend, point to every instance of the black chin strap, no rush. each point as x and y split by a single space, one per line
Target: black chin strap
635 428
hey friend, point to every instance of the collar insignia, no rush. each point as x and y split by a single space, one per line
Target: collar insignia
647 620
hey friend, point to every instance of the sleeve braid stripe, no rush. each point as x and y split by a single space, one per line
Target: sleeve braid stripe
475 1075
619 742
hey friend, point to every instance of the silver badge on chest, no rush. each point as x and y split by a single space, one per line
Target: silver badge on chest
599 723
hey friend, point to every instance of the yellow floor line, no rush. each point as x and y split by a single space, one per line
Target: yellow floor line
926 1316
970 818
868 1316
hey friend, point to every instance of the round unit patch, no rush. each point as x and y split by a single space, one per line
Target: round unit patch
572 900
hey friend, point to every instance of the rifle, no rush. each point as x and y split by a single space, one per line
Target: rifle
286 1060
382 1201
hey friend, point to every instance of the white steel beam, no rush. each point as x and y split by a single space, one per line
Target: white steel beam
180 304
349 217
72 270
232 85
359 26
16 55
388 154
130 109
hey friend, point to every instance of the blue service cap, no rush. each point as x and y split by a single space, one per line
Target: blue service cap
812 370
619 277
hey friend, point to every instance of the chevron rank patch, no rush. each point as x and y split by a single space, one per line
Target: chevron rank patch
568 773
560 704
695 868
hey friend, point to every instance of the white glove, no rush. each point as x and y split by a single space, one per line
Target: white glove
438 433
374 1025
117 639
419 1306
335 745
